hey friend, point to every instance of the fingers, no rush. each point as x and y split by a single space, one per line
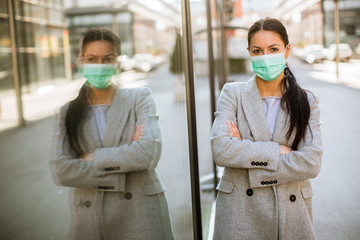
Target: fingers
88 157
284 149
234 131
138 133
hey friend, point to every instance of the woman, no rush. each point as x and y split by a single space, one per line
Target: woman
267 136
106 146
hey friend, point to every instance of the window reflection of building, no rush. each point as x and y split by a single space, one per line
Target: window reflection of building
349 22
39 30
33 44
5 50
143 27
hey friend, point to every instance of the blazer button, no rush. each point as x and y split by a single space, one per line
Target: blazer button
265 163
128 196
275 181
117 168
252 163
249 192
271 182
88 204
106 169
263 183
292 198
100 187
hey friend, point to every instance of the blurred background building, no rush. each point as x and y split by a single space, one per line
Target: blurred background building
41 41
143 26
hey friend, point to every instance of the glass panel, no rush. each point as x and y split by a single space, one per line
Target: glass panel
3 7
151 57
8 109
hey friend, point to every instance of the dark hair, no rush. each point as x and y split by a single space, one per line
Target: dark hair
77 110
294 100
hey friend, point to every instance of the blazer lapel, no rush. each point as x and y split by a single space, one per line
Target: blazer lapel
117 118
254 111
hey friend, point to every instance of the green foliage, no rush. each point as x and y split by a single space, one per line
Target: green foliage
176 59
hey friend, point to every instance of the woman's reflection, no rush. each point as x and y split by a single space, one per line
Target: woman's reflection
106 146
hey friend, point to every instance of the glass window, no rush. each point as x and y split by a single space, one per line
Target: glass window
124 17
3 6
37 12
4 33
55 15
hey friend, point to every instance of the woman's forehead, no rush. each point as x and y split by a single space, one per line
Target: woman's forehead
265 38
99 48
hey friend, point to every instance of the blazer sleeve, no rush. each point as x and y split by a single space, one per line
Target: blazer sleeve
230 152
140 155
301 164
68 170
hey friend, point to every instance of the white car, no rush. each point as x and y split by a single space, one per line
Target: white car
345 52
145 62
126 63
314 53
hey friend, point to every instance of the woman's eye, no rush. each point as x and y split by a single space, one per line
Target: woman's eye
274 49
92 60
108 60
256 51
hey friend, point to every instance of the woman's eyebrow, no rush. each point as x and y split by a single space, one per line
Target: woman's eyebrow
108 55
275 44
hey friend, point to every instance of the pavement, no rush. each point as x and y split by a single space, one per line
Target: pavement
32 207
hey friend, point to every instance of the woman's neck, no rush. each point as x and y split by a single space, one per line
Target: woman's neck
270 88
102 96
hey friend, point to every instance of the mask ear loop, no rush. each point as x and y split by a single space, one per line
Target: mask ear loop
286 47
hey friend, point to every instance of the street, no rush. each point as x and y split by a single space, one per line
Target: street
32 207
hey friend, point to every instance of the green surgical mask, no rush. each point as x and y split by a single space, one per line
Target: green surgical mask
99 75
269 66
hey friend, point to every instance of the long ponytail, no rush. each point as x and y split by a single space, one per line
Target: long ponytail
296 104
75 116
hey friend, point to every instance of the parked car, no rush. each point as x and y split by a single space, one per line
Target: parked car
126 63
357 49
314 53
345 52
145 62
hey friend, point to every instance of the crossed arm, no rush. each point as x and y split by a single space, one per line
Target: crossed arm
277 162
90 157
107 166
235 133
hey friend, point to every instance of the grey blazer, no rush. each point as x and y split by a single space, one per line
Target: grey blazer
118 195
262 194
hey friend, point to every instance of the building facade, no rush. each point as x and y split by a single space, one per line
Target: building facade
40 34
349 12
143 27
33 52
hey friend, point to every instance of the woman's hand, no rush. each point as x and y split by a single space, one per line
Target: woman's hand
88 157
234 131
284 149
137 133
